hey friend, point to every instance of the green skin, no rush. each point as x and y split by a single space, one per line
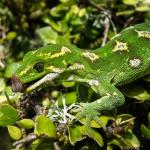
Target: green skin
122 60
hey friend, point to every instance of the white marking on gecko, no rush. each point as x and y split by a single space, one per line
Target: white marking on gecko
120 46
90 56
135 62
93 82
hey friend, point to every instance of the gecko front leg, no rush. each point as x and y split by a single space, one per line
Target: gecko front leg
111 98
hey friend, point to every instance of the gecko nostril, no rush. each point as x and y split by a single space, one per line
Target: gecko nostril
17 86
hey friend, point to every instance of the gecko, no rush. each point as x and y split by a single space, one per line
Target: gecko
125 58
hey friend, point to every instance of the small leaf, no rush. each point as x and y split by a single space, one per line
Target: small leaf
8 115
75 134
42 144
48 35
97 137
35 14
2 84
78 133
143 8
13 97
132 139
124 118
11 69
14 132
52 23
58 10
68 84
103 119
136 91
26 123
55 94
45 126
117 143
70 98
109 148
3 99
11 35
46 102
130 2
145 132
126 141
125 13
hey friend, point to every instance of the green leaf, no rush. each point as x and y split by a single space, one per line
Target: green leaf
126 12
130 2
42 144
55 94
46 103
35 14
136 91
104 120
109 148
68 84
132 139
52 23
70 98
97 137
26 123
2 84
124 118
58 10
117 143
143 8
13 97
145 132
45 126
75 134
14 132
48 35
3 99
11 35
8 115
11 69
125 141
78 133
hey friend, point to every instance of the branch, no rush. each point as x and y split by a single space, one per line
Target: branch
105 12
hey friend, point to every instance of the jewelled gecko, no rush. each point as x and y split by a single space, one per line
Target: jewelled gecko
122 60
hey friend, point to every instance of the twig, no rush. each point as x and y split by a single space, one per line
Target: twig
108 15
105 12
27 139
107 26
56 146
95 5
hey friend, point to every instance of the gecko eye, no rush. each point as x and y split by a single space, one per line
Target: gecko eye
39 66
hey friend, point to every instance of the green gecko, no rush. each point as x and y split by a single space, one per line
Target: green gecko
122 60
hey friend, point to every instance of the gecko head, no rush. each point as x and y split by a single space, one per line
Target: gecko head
39 63
27 72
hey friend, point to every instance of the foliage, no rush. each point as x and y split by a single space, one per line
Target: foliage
45 117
